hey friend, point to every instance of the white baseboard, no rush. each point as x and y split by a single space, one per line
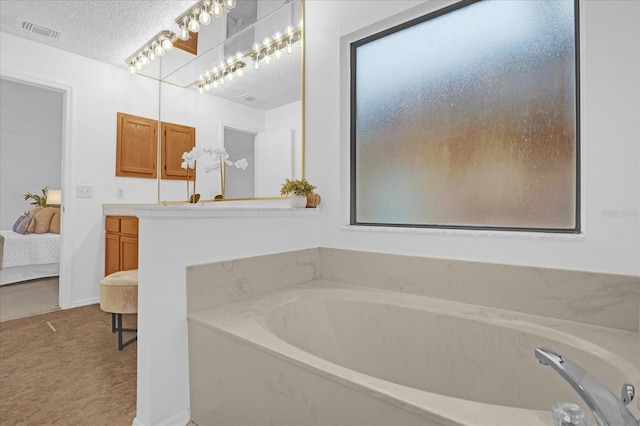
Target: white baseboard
181 419
85 302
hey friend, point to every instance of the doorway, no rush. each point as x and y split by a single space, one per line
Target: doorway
35 117
240 144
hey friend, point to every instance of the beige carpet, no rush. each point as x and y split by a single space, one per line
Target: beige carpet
28 298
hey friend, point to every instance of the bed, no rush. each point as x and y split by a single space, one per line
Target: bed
27 257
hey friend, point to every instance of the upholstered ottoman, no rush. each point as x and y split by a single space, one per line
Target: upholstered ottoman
119 295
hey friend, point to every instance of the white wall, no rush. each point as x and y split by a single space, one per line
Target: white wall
97 92
610 134
30 145
289 116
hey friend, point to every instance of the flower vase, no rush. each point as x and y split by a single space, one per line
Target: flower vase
298 201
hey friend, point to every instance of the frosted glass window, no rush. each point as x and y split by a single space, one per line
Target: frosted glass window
468 118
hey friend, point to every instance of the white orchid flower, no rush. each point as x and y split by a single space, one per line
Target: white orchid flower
189 160
242 164
208 150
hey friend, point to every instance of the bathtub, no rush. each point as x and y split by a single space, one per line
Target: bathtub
329 353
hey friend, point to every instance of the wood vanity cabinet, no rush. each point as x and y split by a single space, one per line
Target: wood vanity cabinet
121 244
136 146
176 139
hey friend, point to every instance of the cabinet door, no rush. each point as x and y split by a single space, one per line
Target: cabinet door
136 149
111 253
176 139
129 226
128 253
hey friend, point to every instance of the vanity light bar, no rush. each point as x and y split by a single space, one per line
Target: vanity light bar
216 77
189 22
275 45
157 46
201 13
271 46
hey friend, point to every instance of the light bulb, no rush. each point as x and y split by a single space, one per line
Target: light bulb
194 26
184 33
221 80
267 59
289 47
289 29
152 55
207 86
200 90
132 68
230 76
278 54
239 72
229 59
266 41
277 35
215 83
256 46
256 64
230 3
159 50
138 65
204 17
144 59
216 9
167 45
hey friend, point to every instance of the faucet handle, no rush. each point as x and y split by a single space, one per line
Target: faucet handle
628 392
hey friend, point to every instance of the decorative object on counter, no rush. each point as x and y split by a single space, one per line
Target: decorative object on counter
220 163
220 160
38 200
189 162
313 200
297 190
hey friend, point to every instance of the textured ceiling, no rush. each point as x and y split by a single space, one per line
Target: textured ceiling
112 30
105 30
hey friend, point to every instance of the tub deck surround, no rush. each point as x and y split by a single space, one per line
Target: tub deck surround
330 344
608 300
173 237
288 352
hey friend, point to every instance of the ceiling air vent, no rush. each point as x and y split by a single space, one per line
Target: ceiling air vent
247 97
40 30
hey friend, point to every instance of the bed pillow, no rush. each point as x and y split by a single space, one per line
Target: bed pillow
54 228
35 210
43 220
24 225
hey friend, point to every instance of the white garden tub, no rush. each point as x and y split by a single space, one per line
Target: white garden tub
325 353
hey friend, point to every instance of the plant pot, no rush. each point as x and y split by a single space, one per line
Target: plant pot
298 201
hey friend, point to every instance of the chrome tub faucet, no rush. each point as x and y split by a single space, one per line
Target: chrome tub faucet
607 409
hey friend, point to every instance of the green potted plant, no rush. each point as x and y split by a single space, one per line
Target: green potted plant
37 200
297 190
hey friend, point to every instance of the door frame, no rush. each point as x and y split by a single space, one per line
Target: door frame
66 179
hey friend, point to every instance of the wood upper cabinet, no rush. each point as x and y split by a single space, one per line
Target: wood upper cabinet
136 151
176 139
190 45
121 244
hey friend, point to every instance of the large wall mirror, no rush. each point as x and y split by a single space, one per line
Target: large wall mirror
242 91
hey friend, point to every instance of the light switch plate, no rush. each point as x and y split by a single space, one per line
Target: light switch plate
84 191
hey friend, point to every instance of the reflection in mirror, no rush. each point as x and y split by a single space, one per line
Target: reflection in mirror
255 113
